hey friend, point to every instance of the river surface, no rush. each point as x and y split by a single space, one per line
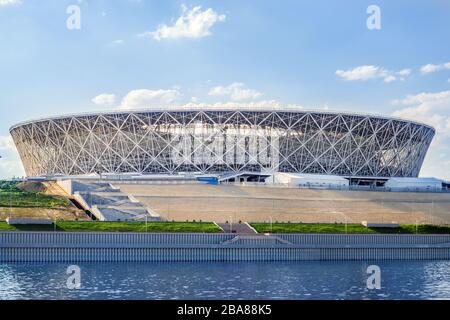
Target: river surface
238 280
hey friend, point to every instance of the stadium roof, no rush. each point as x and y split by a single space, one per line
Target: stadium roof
222 107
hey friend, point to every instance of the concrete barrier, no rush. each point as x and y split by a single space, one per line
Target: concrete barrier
147 247
28 221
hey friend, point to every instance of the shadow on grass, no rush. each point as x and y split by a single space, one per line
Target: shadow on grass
349 229
37 227
114 227
413 229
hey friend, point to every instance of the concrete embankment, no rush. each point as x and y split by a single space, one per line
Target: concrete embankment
147 247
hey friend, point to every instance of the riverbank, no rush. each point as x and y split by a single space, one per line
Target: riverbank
210 247
100 226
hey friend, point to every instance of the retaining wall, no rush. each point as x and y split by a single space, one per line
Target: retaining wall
146 247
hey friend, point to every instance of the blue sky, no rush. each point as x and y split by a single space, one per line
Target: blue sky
142 53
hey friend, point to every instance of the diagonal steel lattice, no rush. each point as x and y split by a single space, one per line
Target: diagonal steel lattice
218 141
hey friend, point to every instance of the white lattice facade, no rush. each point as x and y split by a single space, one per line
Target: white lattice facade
213 141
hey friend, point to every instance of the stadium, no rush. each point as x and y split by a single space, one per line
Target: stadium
224 165
223 141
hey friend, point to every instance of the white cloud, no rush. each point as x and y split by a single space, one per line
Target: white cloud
117 42
10 164
104 99
359 73
367 72
389 79
6 143
194 23
10 2
425 98
236 92
429 68
404 72
431 108
263 104
144 98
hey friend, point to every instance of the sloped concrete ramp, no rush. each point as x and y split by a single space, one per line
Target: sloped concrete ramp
108 203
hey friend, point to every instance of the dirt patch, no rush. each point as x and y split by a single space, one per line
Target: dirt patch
32 187
49 188
60 214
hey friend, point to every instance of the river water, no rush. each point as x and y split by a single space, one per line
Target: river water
239 280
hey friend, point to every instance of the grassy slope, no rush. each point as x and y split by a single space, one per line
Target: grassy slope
11 196
351 228
117 227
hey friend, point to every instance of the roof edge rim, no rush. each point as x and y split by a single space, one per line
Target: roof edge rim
181 109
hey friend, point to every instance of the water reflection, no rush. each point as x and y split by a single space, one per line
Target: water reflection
274 280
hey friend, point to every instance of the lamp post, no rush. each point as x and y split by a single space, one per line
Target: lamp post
432 210
168 209
345 217
271 224
10 205
273 211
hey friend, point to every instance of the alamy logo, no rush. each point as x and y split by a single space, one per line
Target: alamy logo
73 22
374 19
374 279
214 146
74 279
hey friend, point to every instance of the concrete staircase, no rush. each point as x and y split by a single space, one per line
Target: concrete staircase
256 240
108 203
238 228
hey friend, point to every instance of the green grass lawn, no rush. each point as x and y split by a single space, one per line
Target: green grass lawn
11 196
99 226
351 228
205 227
